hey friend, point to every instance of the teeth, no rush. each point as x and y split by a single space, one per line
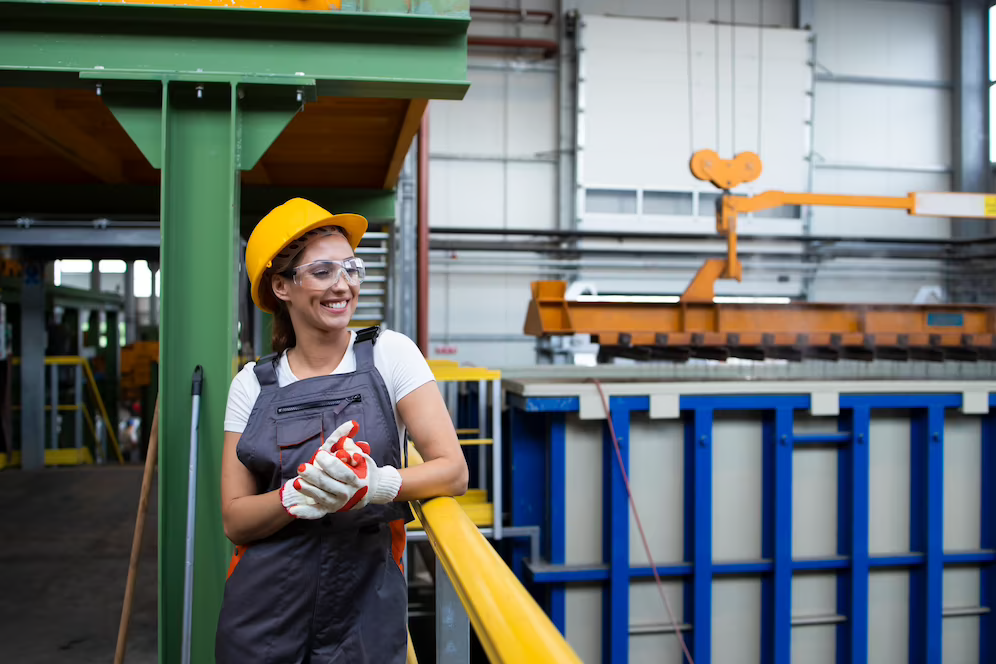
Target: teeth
335 305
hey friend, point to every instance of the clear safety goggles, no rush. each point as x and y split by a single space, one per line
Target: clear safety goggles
321 275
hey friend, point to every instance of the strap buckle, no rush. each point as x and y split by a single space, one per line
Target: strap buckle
368 334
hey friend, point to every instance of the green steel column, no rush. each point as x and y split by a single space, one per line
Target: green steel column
197 285
207 135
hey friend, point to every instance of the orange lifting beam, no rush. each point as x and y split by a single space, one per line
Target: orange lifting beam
757 331
695 326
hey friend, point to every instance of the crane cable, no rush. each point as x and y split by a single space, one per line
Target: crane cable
691 102
716 31
733 79
760 72
639 524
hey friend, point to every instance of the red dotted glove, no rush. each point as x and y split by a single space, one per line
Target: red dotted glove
351 464
313 494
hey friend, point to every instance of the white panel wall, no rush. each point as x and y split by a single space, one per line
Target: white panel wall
769 12
643 117
493 164
494 155
881 139
884 38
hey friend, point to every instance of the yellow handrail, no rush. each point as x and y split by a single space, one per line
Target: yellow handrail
100 404
89 422
447 373
73 360
510 625
412 659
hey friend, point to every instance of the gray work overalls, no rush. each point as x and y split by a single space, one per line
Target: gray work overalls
318 591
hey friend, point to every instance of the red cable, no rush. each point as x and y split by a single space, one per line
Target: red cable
639 524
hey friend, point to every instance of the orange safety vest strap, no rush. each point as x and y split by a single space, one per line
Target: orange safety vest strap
236 558
399 538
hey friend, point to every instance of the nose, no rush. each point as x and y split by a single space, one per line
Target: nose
341 283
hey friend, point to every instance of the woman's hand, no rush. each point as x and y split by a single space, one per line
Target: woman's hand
350 464
312 495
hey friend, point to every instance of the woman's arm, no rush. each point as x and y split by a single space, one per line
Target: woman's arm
247 516
444 472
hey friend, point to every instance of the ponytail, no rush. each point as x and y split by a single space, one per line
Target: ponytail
283 330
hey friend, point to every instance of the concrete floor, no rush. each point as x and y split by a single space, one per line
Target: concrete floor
65 542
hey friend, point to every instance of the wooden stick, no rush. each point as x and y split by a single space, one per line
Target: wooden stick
136 542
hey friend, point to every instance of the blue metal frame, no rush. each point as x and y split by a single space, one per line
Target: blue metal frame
615 530
776 535
852 536
987 595
538 439
558 515
698 468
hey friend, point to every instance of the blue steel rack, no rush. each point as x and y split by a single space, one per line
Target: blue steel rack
537 440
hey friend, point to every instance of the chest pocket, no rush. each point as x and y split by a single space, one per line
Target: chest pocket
298 439
302 428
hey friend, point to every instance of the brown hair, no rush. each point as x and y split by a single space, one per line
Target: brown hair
283 336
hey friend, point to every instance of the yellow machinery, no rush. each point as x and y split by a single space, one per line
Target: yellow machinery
136 368
696 326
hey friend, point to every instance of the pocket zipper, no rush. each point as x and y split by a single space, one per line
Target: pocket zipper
326 403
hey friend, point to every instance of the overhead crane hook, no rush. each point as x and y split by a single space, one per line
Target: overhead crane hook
746 167
725 173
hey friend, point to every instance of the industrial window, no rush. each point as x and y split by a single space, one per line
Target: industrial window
678 203
707 204
610 201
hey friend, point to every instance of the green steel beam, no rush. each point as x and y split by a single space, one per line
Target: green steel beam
200 145
141 203
348 54
377 205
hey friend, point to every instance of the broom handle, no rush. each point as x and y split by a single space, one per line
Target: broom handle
136 542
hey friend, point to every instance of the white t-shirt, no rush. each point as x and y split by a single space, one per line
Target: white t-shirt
396 357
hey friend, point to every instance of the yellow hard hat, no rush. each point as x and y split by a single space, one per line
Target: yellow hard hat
279 228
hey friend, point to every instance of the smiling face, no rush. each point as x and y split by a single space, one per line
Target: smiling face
324 310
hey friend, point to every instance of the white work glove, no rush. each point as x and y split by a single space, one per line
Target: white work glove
350 463
303 500
313 494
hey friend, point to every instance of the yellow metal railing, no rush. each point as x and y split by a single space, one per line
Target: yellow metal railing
484 514
72 361
510 625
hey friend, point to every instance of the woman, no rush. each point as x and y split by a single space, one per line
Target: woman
318 520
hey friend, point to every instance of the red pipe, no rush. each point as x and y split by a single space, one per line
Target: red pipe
548 46
422 246
548 16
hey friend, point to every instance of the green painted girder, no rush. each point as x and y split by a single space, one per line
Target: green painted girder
128 201
347 54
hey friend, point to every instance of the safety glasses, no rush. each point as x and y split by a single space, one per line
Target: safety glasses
321 275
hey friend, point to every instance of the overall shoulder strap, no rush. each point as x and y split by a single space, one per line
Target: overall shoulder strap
266 370
363 347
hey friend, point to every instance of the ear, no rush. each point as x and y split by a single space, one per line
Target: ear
281 287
